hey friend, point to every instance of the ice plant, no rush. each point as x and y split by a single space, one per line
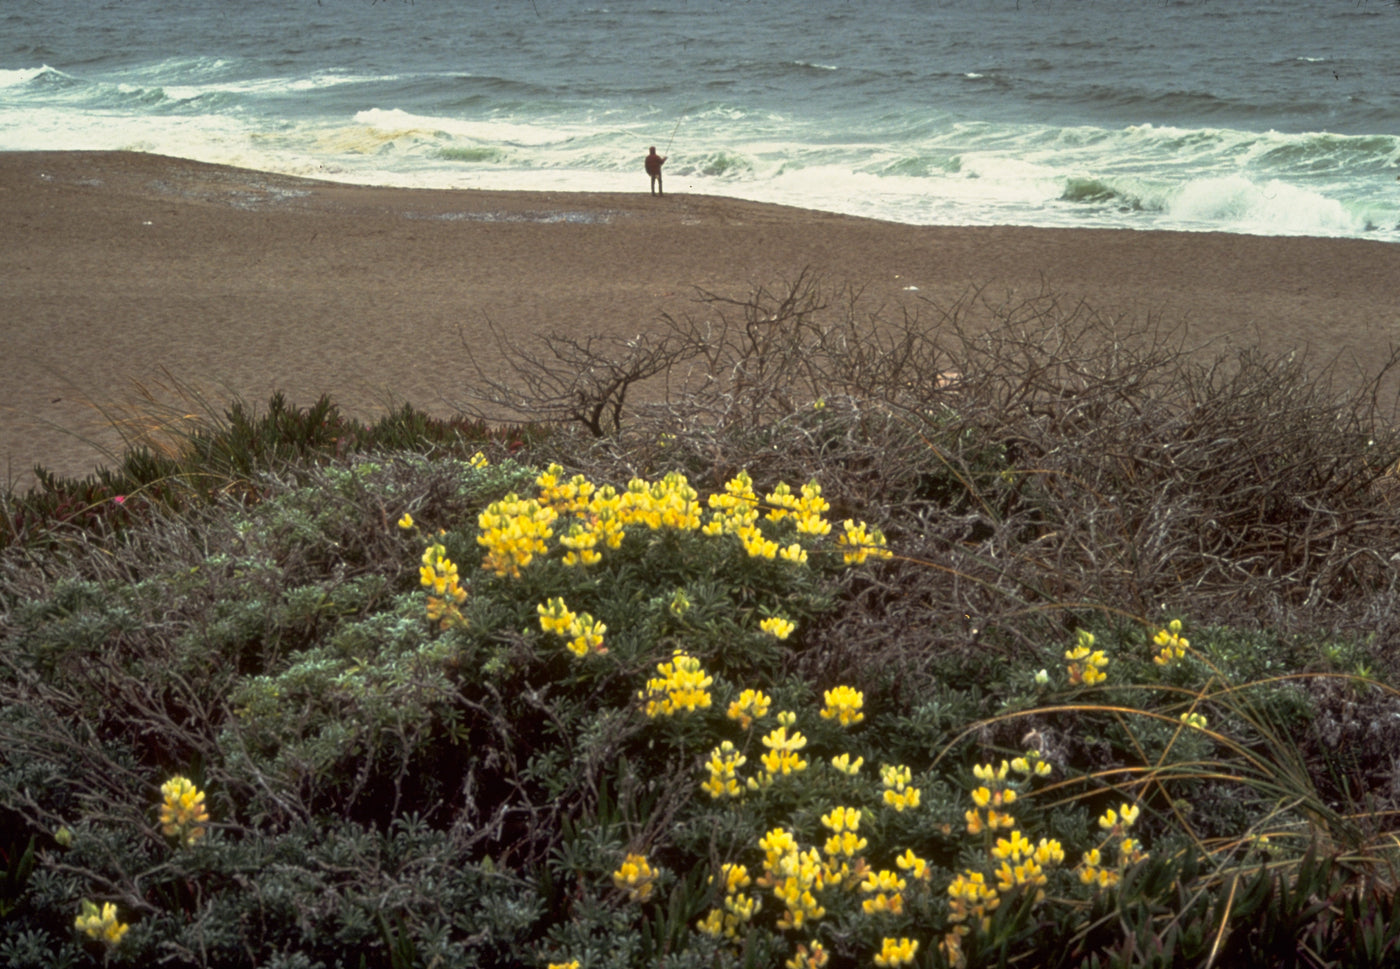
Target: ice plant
843 704
100 924
636 877
182 813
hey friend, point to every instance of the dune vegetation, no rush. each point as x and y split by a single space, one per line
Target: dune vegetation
792 633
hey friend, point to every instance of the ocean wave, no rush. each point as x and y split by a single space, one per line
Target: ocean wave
1270 208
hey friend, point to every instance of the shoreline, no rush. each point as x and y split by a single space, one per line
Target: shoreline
123 267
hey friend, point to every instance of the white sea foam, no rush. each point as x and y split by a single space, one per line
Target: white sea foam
891 138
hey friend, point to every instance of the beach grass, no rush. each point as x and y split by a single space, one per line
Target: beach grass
801 637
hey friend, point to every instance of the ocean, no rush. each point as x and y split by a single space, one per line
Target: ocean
1277 117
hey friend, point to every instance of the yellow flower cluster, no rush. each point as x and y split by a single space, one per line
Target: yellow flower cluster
860 542
1086 663
439 575
668 503
971 902
583 632
843 704
794 876
182 813
1016 862
845 842
738 909
1092 870
1173 645
845 765
896 952
887 891
993 795
1196 720
898 794
1024 864
513 531
752 705
724 761
782 757
101 924
806 510
809 956
565 497
636 877
735 512
682 687
1033 764
777 627
571 964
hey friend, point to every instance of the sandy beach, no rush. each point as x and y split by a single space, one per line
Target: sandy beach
119 268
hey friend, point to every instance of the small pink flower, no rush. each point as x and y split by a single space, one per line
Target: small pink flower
120 499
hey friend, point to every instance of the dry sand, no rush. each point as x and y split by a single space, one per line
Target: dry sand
117 268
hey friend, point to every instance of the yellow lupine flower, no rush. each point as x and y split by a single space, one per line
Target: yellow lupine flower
782 757
636 877
845 765
182 812
751 705
1173 644
100 924
724 762
860 542
914 865
843 704
555 617
681 687
810 956
777 627
1086 664
898 794
896 952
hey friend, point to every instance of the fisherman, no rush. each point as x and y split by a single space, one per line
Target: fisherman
653 166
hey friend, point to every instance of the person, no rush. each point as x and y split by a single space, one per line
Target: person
654 163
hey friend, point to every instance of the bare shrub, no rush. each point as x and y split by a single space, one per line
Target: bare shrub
1031 456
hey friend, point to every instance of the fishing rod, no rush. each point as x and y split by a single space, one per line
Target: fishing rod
673 132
